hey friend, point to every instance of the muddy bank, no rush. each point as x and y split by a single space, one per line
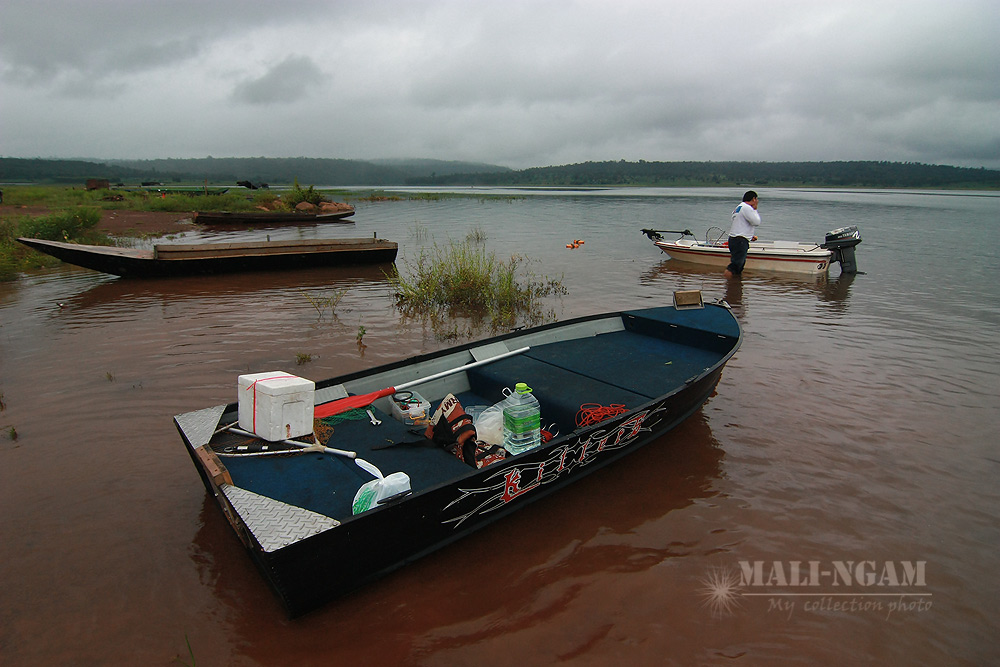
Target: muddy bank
144 223
121 223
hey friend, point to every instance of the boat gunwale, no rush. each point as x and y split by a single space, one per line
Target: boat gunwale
813 254
183 251
263 217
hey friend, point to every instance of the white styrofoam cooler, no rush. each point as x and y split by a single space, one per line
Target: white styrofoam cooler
276 405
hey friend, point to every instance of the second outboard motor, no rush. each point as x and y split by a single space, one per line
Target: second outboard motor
842 242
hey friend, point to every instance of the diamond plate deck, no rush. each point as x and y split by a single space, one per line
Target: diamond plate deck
200 425
275 524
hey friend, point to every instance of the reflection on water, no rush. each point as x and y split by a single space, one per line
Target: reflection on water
832 292
734 297
530 571
856 422
253 287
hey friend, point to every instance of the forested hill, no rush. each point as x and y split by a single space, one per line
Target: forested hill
382 173
277 171
758 174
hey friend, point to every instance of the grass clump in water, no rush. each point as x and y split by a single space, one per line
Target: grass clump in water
466 280
476 235
323 302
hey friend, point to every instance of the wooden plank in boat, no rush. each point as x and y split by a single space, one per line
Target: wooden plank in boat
258 248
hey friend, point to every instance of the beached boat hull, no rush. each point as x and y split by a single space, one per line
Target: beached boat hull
662 364
207 258
269 217
771 256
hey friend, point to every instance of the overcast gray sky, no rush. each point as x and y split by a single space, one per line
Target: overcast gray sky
511 82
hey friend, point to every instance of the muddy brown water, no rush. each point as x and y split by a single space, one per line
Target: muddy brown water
855 429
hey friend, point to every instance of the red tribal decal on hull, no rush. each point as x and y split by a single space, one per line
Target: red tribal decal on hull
512 482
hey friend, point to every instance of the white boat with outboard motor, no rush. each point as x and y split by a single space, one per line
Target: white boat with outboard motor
782 256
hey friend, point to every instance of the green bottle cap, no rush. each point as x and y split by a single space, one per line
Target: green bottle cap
522 388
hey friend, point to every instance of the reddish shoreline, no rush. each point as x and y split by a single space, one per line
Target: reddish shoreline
122 222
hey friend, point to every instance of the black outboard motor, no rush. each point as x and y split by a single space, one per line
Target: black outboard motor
841 242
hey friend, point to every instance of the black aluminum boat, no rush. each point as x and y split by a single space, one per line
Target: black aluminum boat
293 511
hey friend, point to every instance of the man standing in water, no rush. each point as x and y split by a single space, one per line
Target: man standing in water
745 221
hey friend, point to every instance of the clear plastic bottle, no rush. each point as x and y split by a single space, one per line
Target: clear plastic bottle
521 420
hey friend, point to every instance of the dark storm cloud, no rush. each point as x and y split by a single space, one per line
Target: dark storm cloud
286 82
92 40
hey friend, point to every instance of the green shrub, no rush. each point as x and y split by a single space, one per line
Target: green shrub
298 195
264 198
10 265
75 223
463 277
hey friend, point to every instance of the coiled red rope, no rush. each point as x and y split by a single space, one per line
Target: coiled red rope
595 413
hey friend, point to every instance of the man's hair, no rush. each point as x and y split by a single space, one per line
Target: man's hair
749 195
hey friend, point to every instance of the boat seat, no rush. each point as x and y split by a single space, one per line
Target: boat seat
641 364
633 370
687 327
560 393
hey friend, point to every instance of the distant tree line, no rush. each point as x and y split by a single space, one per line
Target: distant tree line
18 170
758 174
316 171
335 172
283 171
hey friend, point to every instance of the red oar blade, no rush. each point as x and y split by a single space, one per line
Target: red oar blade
363 401
351 402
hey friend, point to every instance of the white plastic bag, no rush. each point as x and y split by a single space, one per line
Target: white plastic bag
370 493
489 423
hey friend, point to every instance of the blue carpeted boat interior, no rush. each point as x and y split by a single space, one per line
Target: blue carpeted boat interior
632 367
326 484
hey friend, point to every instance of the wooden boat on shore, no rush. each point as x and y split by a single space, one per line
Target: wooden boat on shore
769 256
201 258
270 217
294 507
